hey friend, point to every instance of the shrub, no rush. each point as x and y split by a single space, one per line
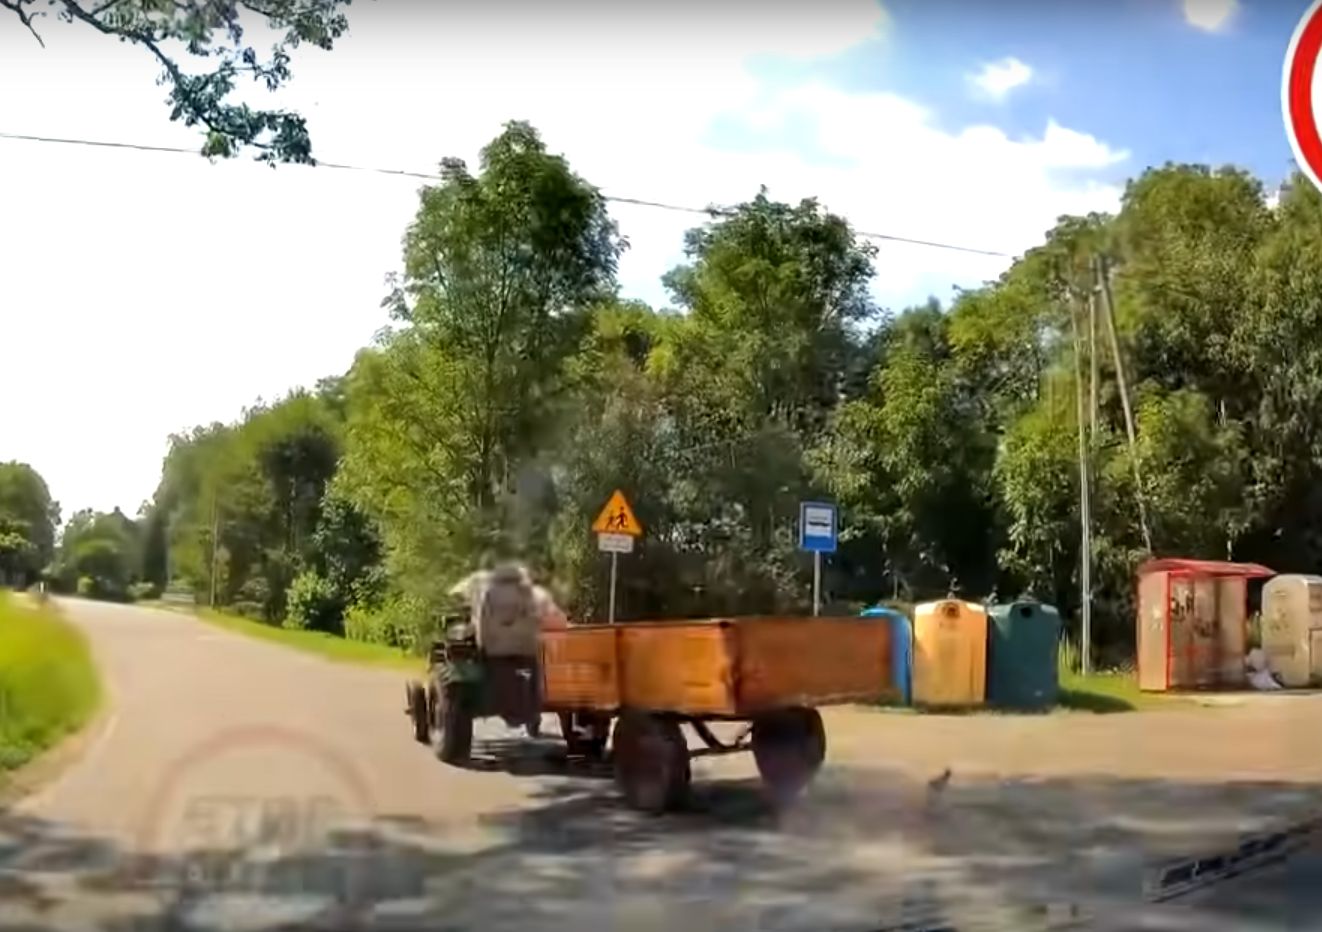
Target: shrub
398 621
254 591
312 602
140 591
254 610
86 587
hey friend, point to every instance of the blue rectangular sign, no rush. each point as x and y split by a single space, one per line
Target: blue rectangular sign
817 527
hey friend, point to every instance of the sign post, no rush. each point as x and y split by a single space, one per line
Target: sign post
616 527
817 534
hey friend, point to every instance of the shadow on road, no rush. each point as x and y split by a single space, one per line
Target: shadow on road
866 849
523 757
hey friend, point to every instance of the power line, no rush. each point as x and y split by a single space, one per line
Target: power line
429 176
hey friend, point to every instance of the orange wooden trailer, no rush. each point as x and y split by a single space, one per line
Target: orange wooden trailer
771 673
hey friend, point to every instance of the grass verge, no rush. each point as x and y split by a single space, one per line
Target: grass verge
328 646
1099 693
49 687
1105 693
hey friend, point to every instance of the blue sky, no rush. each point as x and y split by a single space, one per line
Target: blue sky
969 122
1134 72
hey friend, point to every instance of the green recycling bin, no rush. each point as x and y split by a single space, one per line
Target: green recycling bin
1022 639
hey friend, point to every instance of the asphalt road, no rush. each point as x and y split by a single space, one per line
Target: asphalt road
235 784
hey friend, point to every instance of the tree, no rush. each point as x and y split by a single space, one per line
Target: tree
450 411
28 518
241 502
216 34
773 294
100 554
517 391
913 461
1037 474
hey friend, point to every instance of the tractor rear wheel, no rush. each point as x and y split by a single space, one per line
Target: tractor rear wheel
452 724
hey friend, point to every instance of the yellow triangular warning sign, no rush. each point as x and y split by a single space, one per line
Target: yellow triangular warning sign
617 518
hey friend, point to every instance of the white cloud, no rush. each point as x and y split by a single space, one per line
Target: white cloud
997 79
1209 15
142 294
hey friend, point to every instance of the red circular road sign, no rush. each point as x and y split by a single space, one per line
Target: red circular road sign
1297 105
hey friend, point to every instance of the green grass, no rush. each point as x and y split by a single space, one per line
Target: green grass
49 686
329 646
1104 692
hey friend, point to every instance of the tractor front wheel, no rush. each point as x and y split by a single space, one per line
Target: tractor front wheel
418 713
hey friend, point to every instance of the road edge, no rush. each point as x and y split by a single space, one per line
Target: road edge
45 770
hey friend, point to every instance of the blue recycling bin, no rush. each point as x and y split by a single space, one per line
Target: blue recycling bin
901 647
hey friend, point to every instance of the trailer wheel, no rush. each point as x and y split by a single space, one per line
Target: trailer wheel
452 724
599 728
651 761
418 713
789 746
591 746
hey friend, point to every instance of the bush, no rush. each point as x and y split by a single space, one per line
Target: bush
313 603
254 610
398 621
141 591
86 587
254 591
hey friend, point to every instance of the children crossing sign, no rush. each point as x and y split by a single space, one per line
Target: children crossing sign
616 528
617 518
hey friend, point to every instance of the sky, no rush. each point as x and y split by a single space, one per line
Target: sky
143 293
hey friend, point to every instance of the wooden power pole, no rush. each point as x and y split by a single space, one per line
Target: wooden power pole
1103 274
1092 361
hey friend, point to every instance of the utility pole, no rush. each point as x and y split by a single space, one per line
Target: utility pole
215 532
1085 514
1103 273
1092 359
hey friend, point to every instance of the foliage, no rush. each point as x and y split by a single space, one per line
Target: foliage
239 506
144 591
328 646
448 415
516 390
398 620
313 604
99 555
28 519
48 683
216 34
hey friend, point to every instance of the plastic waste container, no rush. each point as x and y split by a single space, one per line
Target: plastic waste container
1292 629
949 653
901 648
1022 639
